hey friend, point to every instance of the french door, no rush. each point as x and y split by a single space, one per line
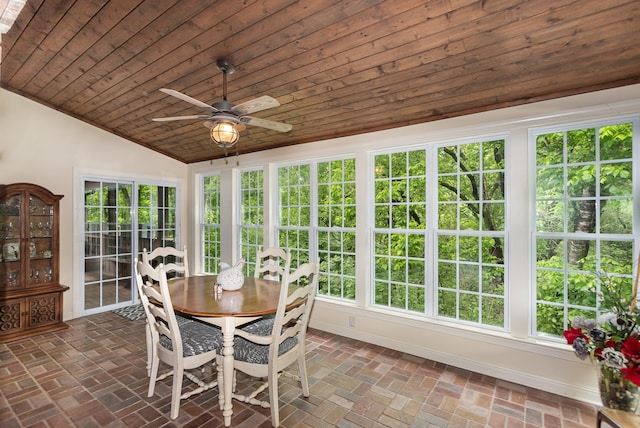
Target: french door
120 219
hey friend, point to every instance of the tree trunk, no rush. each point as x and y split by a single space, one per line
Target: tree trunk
586 223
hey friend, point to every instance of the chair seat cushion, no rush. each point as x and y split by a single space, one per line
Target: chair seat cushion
182 320
250 352
197 337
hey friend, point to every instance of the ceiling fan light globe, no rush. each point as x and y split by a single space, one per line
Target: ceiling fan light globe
224 134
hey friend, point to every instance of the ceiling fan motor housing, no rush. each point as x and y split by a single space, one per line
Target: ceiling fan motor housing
224 106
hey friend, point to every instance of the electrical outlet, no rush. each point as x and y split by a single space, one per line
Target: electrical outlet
352 321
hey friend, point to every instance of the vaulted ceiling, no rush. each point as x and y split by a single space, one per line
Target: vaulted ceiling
337 67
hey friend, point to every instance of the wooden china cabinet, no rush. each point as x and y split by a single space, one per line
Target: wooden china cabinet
30 292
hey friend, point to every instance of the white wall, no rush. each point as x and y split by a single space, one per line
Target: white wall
511 356
43 146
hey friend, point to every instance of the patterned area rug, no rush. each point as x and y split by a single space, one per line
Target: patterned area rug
133 312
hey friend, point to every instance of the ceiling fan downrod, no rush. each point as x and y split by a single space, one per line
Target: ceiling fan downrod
227 68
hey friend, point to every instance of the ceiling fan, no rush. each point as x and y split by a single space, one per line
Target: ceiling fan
225 119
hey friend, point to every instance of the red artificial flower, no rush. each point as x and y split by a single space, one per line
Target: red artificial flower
572 334
598 352
631 348
632 374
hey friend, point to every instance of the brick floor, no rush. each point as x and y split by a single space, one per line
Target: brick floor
94 375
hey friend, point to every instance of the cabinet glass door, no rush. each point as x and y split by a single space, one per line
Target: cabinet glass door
40 243
10 229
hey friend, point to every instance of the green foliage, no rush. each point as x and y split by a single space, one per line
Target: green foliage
471 198
211 224
616 297
573 169
336 214
549 319
470 191
211 201
251 194
598 165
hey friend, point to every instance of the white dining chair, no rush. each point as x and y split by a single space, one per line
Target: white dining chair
173 259
177 263
184 345
266 347
272 263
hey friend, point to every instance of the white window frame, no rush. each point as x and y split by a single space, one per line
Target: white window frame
325 270
248 251
430 232
425 234
296 251
313 228
474 233
634 237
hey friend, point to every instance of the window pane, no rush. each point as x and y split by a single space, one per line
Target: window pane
550 183
550 149
550 216
581 145
493 280
493 311
416 299
447 275
493 155
581 181
550 319
469 307
550 286
616 179
616 142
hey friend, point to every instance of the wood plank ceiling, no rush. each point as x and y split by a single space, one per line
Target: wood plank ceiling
337 67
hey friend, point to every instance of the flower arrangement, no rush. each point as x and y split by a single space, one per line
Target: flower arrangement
612 341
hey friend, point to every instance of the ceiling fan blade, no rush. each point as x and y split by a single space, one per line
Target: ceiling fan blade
258 104
169 119
187 98
264 123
